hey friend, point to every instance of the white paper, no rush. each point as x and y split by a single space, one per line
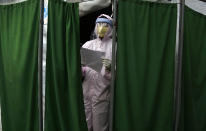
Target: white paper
92 59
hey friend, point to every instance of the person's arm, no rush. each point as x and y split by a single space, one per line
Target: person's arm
92 6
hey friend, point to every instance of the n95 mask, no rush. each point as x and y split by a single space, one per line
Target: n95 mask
102 30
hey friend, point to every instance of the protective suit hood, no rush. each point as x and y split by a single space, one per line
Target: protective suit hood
105 19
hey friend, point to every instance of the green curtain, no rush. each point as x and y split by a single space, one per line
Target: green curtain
143 98
19 29
64 95
194 72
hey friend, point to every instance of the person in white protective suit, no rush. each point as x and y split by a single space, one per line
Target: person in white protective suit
96 85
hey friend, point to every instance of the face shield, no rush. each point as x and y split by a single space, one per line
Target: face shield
103 26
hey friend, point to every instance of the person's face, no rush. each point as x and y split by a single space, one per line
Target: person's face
102 29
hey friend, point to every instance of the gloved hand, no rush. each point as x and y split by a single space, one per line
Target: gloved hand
107 64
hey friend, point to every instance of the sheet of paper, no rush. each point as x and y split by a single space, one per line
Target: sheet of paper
92 59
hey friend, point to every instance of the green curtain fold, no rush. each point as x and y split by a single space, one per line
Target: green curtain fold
194 72
19 29
145 66
64 96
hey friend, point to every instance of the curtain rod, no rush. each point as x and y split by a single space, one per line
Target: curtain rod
40 66
178 68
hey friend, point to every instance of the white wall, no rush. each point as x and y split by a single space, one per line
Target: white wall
5 2
92 6
197 5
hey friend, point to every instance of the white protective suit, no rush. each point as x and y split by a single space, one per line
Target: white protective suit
96 86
